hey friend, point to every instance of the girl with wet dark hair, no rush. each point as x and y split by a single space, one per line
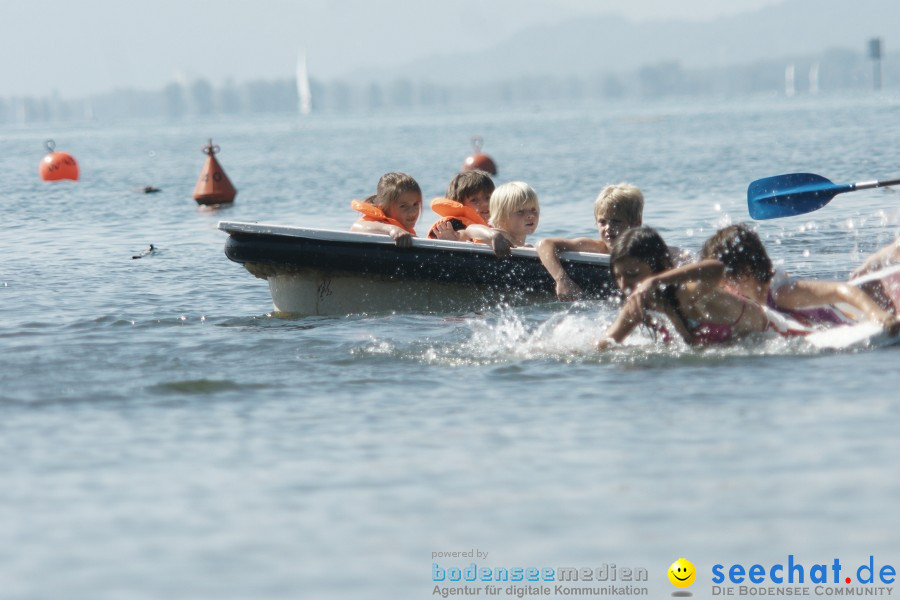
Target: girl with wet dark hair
749 273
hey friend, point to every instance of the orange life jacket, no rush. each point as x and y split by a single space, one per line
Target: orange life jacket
452 210
370 212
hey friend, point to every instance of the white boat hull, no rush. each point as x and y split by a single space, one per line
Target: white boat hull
323 293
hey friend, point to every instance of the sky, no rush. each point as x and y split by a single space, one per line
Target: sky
78 48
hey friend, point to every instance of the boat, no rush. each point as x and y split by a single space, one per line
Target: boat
327 272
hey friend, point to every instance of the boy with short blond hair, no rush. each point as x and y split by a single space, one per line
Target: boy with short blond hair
617 208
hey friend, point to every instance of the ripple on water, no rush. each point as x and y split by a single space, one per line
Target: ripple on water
205 386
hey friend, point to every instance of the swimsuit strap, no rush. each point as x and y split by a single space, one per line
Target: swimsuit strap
669 295
743 310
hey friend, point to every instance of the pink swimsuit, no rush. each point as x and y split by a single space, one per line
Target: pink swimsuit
703 333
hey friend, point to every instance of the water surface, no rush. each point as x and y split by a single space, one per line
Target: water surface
163 435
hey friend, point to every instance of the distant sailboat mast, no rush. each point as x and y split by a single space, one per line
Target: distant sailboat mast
303 91
814 79
789 89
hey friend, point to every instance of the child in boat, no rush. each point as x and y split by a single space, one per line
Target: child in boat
515 213
467 202
393 210
466 213
689 296
617 208
749 273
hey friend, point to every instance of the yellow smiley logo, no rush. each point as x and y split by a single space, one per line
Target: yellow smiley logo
682 573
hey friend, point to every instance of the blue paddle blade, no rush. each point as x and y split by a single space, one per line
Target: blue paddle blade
792 194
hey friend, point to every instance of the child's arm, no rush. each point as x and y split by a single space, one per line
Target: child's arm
548 250
401 237
888 255
697 279
704 277
804 293
629 317
500 244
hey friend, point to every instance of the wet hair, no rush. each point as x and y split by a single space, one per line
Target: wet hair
645 245
467 184
623 200
509 198
390 187
741 251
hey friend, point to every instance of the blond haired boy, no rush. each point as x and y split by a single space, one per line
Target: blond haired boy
617 208
515 213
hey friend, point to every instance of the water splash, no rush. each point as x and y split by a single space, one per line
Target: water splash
513 336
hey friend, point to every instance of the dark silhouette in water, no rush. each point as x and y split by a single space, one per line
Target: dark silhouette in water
148 250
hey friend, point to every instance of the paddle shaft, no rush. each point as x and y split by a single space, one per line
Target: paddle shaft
865 185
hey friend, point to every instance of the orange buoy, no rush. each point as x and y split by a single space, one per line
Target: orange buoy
479 161
213 186
58 165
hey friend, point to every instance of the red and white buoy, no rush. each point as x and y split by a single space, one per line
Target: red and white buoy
479 161
57 165
213 186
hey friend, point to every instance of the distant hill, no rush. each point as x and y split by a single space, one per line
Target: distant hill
588 59
592 44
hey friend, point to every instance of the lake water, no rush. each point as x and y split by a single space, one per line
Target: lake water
162 435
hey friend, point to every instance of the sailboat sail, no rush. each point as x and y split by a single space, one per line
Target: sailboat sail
814 79
303 91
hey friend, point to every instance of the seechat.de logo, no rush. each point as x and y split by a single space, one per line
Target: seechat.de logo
682 573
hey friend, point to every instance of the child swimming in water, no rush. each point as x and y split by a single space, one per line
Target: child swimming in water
700 312
393 210
617 208
884 289
749 273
